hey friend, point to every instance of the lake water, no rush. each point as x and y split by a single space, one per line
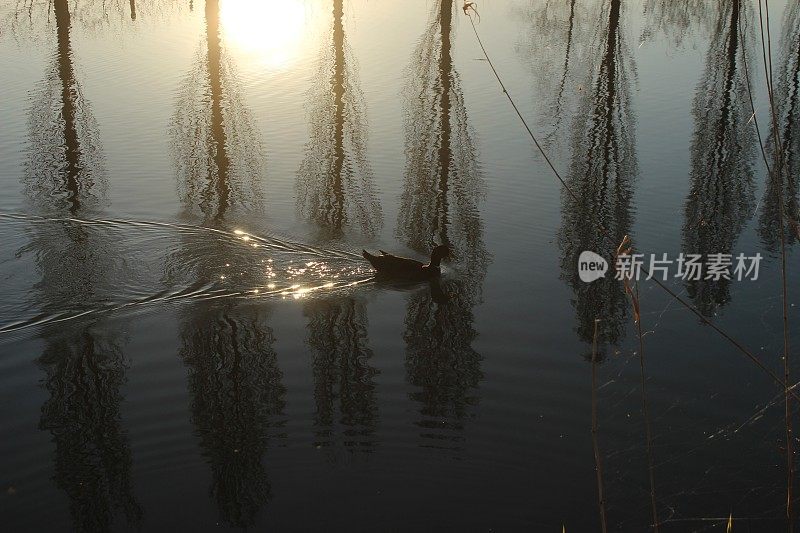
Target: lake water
190 340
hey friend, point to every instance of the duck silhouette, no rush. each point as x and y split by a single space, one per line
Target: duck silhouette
390 266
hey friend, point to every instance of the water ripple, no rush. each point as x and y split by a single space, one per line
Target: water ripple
120 263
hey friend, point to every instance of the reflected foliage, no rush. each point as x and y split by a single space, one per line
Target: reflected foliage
84 364
64 167
85 369
552 45
236 398
440 359
336 192
335 187
678 20
721 198
216 146
236 389
442 179
602 172
343 375
26 19
787 103
442 191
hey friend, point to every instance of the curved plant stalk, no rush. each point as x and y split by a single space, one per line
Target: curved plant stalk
625 248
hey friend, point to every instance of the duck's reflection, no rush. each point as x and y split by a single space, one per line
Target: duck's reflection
237 399
721 196
335 187
787 107
217 149
83 360
602 172
440 206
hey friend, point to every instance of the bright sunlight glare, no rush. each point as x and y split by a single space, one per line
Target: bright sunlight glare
270 31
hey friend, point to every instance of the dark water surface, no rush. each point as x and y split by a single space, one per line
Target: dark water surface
190 340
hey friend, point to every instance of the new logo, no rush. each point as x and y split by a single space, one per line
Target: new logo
591 266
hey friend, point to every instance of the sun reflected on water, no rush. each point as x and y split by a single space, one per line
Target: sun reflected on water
271 32
295 271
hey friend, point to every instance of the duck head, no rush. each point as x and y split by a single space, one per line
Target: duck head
439 253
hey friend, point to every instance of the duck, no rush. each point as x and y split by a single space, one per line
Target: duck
391 266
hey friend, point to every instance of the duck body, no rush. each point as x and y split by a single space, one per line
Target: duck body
391 266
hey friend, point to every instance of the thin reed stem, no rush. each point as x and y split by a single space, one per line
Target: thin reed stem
601 502
646 413
766 50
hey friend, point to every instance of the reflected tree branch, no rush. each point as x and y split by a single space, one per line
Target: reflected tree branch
440 205
216 147
677 20
343 375
441 362
237 397
84 364
85 369
721 197
64 169
335 188
603 169
552 42
787 102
